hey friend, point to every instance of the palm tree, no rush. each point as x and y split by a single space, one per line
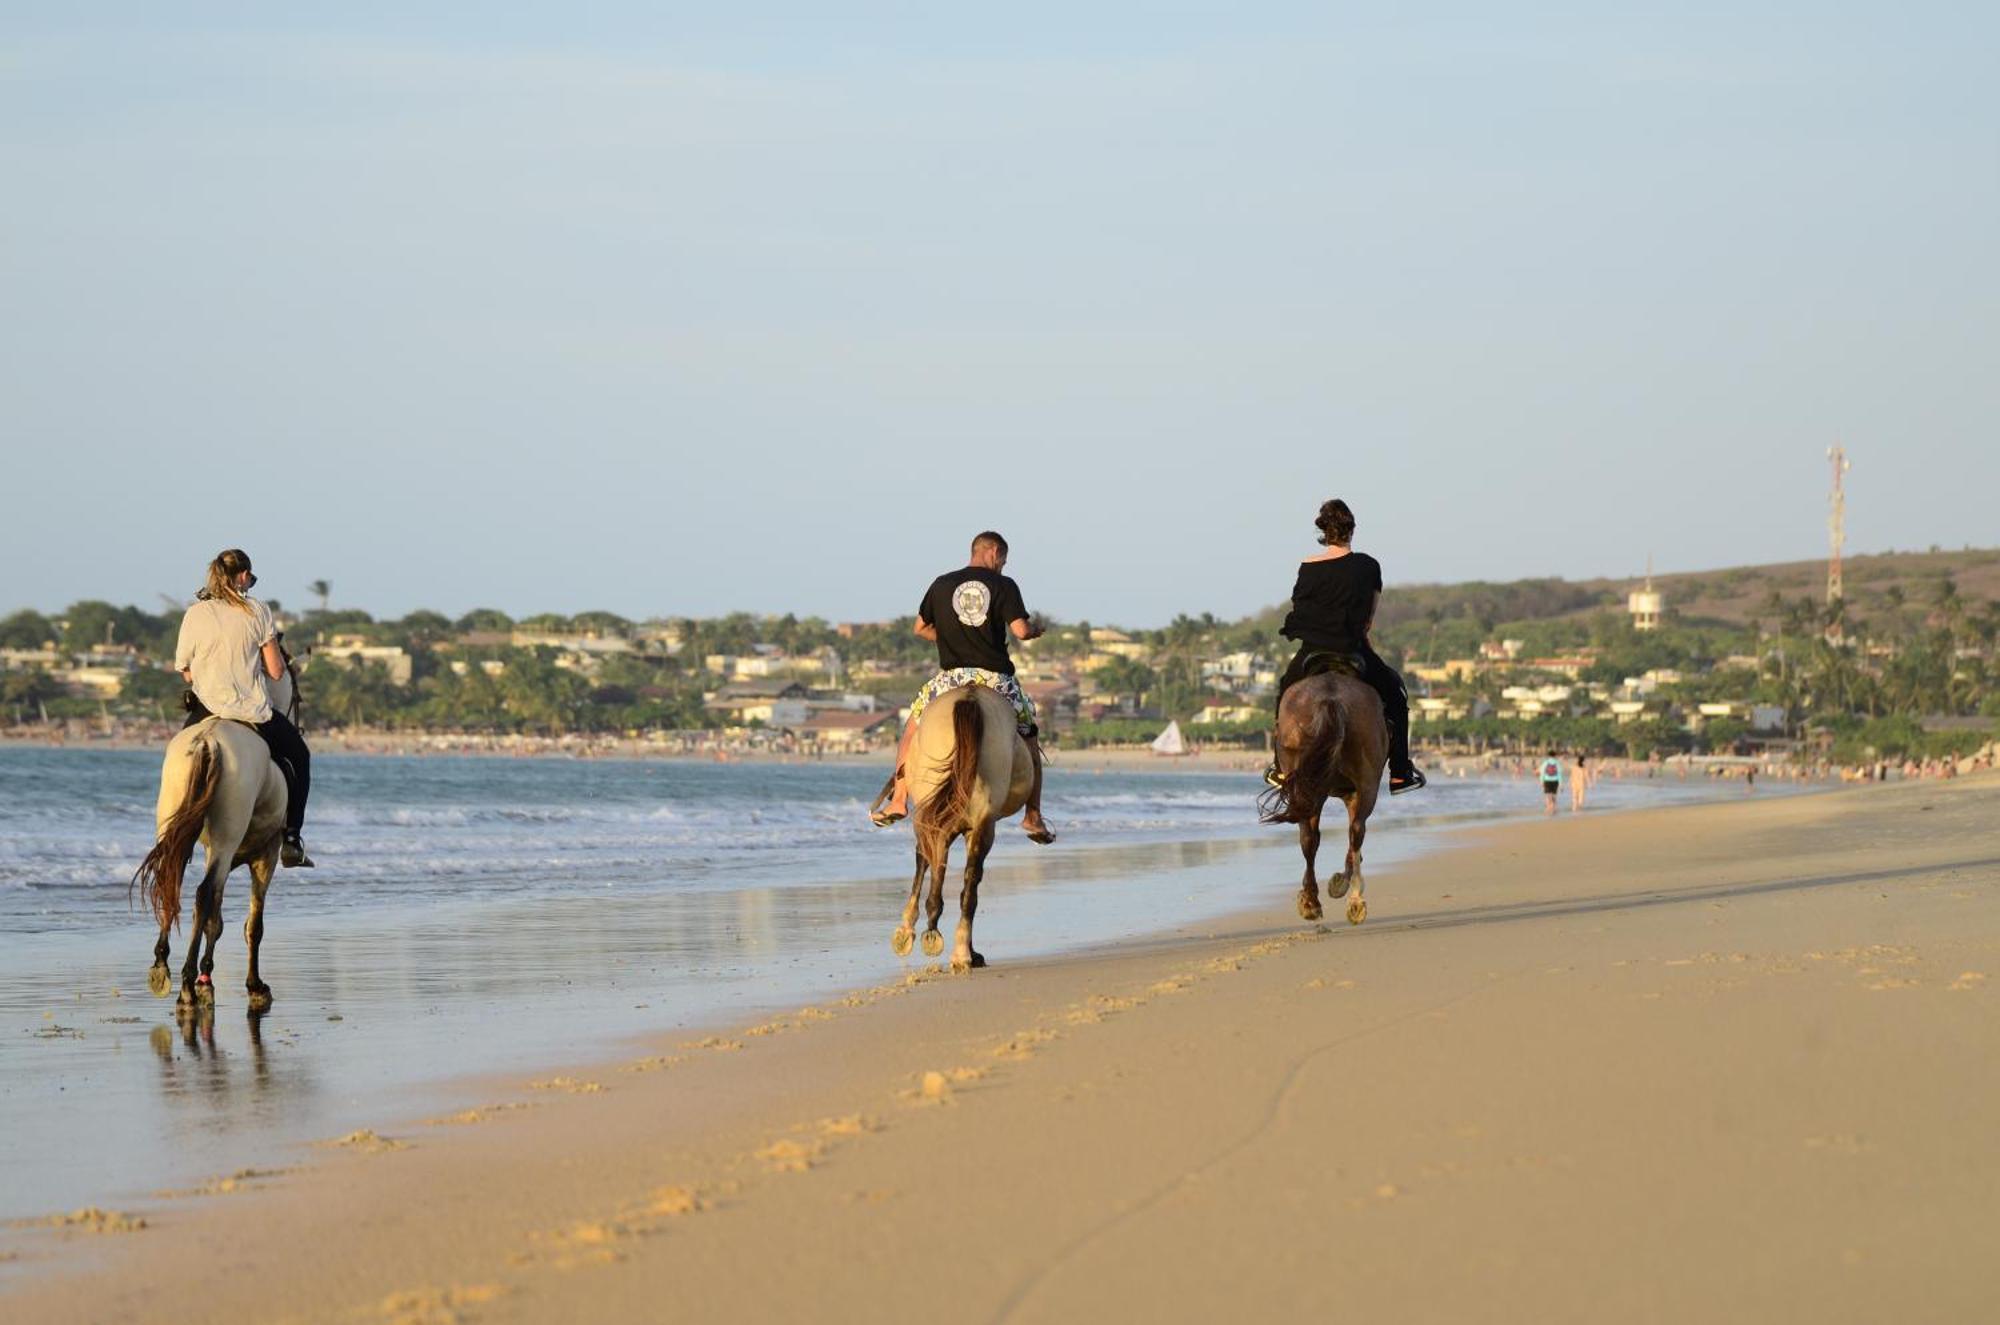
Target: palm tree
321 590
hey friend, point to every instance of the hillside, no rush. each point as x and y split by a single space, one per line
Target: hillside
1881 588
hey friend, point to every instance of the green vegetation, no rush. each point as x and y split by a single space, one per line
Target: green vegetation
1920 646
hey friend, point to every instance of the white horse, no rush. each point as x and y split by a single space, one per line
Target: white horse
219 786
969 768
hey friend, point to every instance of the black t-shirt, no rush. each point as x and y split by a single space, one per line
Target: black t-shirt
971 609
1331 600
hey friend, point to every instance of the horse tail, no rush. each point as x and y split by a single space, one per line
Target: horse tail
1304 792
158 878
945 811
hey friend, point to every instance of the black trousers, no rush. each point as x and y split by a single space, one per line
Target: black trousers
288 750
1380 676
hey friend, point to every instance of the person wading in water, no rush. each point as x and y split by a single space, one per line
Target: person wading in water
1333 609
969 614
228 651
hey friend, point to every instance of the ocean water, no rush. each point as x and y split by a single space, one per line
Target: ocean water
473 915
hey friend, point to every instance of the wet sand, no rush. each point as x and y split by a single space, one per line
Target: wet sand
1735 1061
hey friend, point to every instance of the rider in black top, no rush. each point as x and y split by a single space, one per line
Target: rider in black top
1333 608
971 614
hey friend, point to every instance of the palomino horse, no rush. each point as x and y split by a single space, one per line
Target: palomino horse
968 769
1332 741
218 786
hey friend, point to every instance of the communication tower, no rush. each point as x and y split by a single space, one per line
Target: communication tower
1836 528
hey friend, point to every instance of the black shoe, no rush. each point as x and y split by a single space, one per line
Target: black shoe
1409 780
292 855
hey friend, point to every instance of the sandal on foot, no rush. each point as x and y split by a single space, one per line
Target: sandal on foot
1044 835
884 818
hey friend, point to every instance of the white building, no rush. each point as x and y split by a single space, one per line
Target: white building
350 650
1646 605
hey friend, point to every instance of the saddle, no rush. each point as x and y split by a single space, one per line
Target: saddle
197 713
1321 662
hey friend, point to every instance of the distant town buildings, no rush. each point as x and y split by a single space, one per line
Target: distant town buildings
351 650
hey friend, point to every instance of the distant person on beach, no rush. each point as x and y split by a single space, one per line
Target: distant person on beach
1333 609
1579 782
969 614
1552 781
229 655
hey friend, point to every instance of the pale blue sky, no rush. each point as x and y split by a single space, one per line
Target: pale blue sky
771 307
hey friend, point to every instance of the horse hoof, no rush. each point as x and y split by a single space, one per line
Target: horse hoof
1309 908
960 965
158 980
933 943
205 994
260 999
1357 911
899 942
1337 887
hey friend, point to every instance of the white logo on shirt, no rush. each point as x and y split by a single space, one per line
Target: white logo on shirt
970 601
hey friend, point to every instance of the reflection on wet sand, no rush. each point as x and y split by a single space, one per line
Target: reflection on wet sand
370 1010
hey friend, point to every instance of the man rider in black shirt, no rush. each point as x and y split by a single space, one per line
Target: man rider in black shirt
969 614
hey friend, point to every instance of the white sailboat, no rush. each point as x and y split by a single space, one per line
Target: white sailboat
1169 742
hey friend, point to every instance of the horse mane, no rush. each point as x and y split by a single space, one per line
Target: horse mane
1311 780
158 878
945 811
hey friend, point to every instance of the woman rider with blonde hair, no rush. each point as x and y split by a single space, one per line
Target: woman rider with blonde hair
228 650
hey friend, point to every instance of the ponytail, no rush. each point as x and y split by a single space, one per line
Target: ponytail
222 573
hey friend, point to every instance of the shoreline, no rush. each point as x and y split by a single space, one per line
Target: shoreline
687 956
1222 759
705 1124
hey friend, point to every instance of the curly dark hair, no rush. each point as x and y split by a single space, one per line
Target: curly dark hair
1335 523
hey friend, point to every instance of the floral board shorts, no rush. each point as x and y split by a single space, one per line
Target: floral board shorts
1008 688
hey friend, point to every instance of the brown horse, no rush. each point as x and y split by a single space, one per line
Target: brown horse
969 769
1332 741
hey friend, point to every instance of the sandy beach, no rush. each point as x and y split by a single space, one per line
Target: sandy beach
1734 1061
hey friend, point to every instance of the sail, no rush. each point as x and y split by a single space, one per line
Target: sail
1169 742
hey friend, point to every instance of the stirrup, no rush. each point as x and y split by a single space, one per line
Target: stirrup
292 855
1272 777
1397 786
884 818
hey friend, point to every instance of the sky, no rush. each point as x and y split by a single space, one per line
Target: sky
687 309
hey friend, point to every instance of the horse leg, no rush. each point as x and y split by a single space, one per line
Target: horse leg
1357 829
207 913
940 861
261 870
906 932
211 936
977 844
1309 886
158 979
